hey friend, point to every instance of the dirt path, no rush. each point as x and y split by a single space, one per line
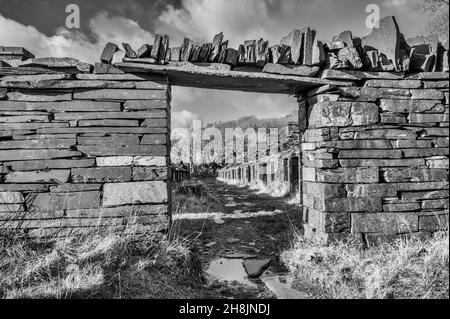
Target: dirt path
230 233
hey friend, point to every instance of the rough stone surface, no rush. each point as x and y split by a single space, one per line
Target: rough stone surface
387 40
135 193
255 267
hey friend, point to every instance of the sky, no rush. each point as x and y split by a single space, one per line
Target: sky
39 25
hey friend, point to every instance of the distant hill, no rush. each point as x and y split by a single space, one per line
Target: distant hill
252 121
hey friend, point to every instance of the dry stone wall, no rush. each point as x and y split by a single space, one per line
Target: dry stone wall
376 157
79 151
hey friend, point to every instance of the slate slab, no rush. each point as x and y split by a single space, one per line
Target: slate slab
256 267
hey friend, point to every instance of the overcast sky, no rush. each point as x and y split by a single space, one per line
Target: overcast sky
39 25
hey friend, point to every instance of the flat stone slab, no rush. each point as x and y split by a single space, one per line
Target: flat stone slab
281 287
204 77
255 267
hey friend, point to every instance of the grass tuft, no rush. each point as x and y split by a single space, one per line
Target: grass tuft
408 268
99 265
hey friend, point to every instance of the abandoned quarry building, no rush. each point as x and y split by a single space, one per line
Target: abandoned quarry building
85 146
280 168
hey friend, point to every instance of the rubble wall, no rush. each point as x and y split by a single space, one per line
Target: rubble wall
376 157
83 151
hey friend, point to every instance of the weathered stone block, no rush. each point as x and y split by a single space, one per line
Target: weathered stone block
418 118
330 114
325 191
414 196
441 142
115 123
412 144
39 97
109 140
410 106
411 186
135 193
371 190
120 94
387 133
385 223
433 223
368 94
436 85
382 162
38 144
35 165
149 174
329 223
437 162
428 94
11 198
398 175
364 113
23 119
123 211
72 106
111 115
388 40
74 188
434 131
434 204
115 161
10 208
47 202
394 154
155 139
145 105
399 206
357 144
393 118
395 84
425 152
321 134
156 123
101 175
348 175
150 161
131 150
348 205
53 176
3 93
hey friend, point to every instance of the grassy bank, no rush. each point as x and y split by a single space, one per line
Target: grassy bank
99 266
406 268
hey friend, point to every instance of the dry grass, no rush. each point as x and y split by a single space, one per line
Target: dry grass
99 266
407 268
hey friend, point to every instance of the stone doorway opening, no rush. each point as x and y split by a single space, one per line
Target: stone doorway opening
239 226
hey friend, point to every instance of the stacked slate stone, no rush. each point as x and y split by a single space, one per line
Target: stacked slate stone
82 151
12 56
300 53
376 157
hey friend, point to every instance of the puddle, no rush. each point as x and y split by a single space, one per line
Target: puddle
229 270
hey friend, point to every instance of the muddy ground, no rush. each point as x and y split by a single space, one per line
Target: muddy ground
223 241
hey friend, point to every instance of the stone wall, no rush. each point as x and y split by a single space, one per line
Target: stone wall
376 157
79 151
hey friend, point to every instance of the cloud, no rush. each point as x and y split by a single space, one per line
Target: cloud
400 3
182 119
200 19
74 44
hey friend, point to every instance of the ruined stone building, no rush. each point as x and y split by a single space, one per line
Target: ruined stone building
280 169
83 147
